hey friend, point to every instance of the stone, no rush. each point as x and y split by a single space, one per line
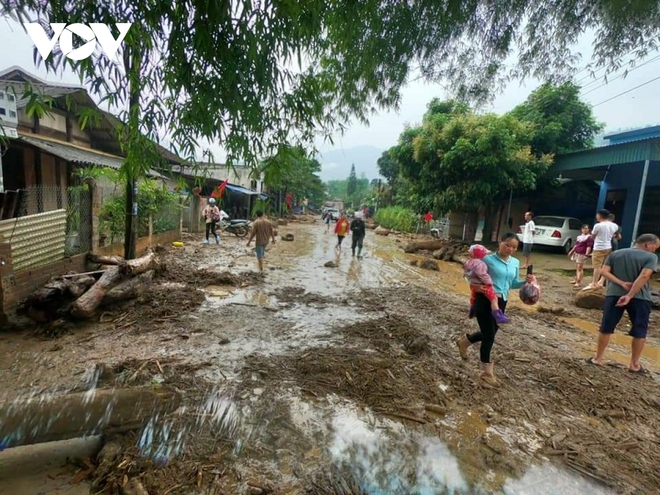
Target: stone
382 231
287 237
590 299
429 265
330 264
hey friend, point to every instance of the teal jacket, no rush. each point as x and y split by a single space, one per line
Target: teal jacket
505 274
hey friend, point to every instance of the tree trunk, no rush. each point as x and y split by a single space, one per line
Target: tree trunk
130 232
128 289
80 414
85 306
415 246
106 260
487 232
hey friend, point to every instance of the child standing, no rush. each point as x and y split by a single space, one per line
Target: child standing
476 272
584 244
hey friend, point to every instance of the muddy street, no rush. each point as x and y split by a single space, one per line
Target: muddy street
346 379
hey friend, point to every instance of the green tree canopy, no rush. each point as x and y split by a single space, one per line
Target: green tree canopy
562 121
471 160
292 170
388 167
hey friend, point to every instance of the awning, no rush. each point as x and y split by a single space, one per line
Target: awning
84 156
246 191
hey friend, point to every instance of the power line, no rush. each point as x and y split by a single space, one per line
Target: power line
600 68
626 92
620 75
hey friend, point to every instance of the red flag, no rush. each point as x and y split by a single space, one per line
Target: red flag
220 190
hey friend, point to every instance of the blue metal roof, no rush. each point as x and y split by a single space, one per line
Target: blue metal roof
633 134
614 154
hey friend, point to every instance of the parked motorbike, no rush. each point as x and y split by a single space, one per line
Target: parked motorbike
240 228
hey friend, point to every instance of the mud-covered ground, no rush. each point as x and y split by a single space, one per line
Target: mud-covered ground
347 380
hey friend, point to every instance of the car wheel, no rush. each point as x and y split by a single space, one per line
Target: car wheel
568 246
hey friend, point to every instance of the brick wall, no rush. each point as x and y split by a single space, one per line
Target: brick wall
16 286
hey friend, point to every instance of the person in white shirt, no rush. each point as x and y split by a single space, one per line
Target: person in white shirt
602 234
529 230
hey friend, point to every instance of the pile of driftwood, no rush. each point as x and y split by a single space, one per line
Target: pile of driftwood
79 295
445 250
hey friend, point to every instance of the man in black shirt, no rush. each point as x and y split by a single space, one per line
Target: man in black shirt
358 231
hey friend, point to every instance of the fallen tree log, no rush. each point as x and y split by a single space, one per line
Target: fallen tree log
53 300
106 260
128 289
67 416
413 247
85 306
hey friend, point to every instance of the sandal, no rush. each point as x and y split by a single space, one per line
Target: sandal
640 371
591 362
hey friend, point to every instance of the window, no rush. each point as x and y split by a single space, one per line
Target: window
551 222
12 114
3 111
2 95
10 97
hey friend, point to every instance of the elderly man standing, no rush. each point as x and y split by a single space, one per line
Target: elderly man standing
628 271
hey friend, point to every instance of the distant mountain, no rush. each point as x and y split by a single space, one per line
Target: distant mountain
336 164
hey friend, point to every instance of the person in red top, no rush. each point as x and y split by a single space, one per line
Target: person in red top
341 229
584 244
428 218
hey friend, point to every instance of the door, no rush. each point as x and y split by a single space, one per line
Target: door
615 202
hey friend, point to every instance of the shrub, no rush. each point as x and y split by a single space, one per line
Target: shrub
398 218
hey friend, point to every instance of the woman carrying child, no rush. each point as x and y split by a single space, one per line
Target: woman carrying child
504 270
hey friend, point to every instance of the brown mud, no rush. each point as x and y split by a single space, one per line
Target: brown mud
347 380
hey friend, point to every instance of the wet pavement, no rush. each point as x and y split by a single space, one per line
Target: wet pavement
301 304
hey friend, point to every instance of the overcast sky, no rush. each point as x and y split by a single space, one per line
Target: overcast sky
637 108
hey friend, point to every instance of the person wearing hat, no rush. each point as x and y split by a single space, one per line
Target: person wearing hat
602 234
211 214
358 230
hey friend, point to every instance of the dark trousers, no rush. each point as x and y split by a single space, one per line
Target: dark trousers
357 242
340 239
210 227
487 325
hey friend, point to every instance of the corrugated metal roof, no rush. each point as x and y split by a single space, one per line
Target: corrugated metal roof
83 156
75 154
615 154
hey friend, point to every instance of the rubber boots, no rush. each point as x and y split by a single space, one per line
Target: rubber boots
500 318
487 375
463 344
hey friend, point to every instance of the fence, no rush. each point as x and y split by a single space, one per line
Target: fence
37 225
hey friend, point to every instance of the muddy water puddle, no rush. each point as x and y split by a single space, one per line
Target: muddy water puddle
384 455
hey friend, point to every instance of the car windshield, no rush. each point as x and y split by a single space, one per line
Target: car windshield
554 222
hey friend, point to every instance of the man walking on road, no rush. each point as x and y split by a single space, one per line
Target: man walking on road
628 271
263 231
529 230
603 233
358 230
